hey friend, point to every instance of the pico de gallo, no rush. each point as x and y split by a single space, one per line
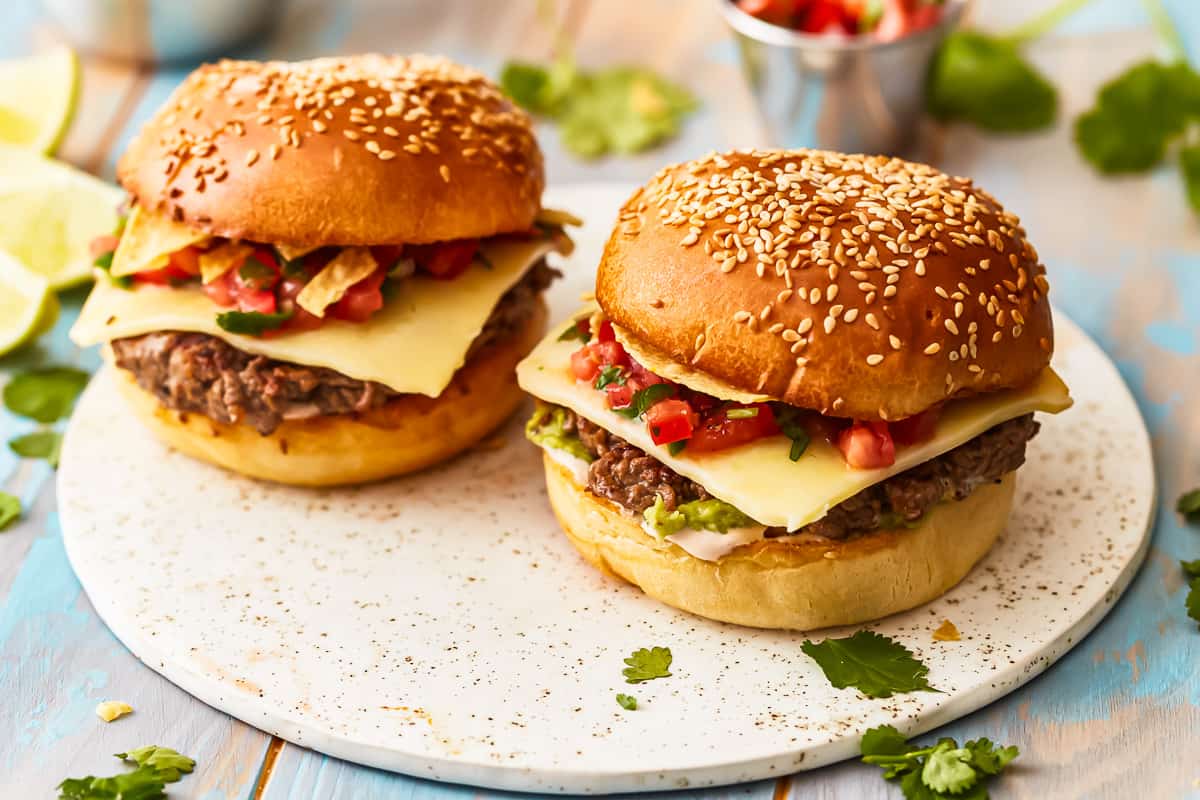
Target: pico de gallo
260 285
885 20
683 418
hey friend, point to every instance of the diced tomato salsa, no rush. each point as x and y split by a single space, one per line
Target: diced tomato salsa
680 417
882 19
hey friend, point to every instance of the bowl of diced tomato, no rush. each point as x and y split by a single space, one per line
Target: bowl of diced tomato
845 75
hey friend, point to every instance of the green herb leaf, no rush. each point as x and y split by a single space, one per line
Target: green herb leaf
251 323
144 783
45 394
10 509
644 398
610 375
39 444
104 260
1188 504
627 702
647 665
1137 114
1189 164
988 758
1191 568
580 331
788 419
622 109
169 763
883 740
675 448
741 413
252 270
1192 601
948 769
874 664
984 80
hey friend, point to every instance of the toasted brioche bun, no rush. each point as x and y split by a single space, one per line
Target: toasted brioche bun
363 150
409 433
719 263
773 584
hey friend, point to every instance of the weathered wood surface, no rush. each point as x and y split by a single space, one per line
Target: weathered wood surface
1117 717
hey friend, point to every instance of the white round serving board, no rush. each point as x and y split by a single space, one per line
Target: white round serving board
442 626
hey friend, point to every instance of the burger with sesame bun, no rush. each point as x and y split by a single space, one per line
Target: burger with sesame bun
805 389
328 269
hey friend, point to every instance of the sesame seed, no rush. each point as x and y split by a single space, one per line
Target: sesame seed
444 171
386 155
952 326
932 349
874 359
251 157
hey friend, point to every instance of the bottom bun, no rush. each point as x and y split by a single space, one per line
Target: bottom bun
774 584
407 434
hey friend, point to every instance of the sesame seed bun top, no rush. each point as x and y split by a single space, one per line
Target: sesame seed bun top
368 149
858 286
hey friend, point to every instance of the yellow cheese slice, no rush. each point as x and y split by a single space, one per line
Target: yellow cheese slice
415 344
147 241
347 268
758 478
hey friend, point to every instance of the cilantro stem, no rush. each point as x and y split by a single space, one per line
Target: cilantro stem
1165 28
1044 22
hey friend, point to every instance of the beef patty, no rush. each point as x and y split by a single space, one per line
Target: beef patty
203 374
631 478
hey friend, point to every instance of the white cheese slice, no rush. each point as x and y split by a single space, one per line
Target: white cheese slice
148 240
758 478
414 344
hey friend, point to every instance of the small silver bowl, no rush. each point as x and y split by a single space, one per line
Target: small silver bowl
853 95
159 31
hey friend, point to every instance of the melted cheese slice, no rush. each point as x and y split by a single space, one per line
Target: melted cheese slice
415 344
758 478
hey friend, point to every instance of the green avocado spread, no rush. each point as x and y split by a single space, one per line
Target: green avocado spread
709 515
547 428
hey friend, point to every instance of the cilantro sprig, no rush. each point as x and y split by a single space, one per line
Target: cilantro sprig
612 374
10 509
647 665
156 767
944 771
580 331
872 663
1188 504
644 398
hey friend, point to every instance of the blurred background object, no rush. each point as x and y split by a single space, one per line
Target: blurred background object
159 31
824 86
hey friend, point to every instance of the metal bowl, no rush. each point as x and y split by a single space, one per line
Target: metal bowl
159 30
854 95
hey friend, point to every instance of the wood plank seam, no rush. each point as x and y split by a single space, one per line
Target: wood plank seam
268 766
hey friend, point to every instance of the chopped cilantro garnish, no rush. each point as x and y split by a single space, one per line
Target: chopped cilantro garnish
788 419
644 398
156 767
580 331
254 270
675 448
1188 504
741 413
251 323
610 375
647 665
874 664
627 702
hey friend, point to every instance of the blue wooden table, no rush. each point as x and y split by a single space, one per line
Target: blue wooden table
1117 717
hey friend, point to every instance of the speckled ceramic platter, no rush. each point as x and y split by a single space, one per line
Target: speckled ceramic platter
442 626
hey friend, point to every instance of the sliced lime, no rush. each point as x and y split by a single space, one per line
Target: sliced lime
49 212
27 305
37 98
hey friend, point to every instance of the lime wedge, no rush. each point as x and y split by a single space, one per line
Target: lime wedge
37 98
49 212
27 305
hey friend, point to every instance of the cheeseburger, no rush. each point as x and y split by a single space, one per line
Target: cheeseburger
328 269
805 390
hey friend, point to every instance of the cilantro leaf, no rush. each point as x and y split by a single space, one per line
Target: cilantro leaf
989 758
1137 114
46 394
144 783
646 665
644 398
39 444
251 323
948 769
675 448
10 509
1188 504
623 109
883 740
169 763
580 331
1189 164
1191 568
874 664
610 375
788 419
1192 602
984 80
627 702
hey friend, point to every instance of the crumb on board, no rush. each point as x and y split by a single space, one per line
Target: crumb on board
946 632
112 709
